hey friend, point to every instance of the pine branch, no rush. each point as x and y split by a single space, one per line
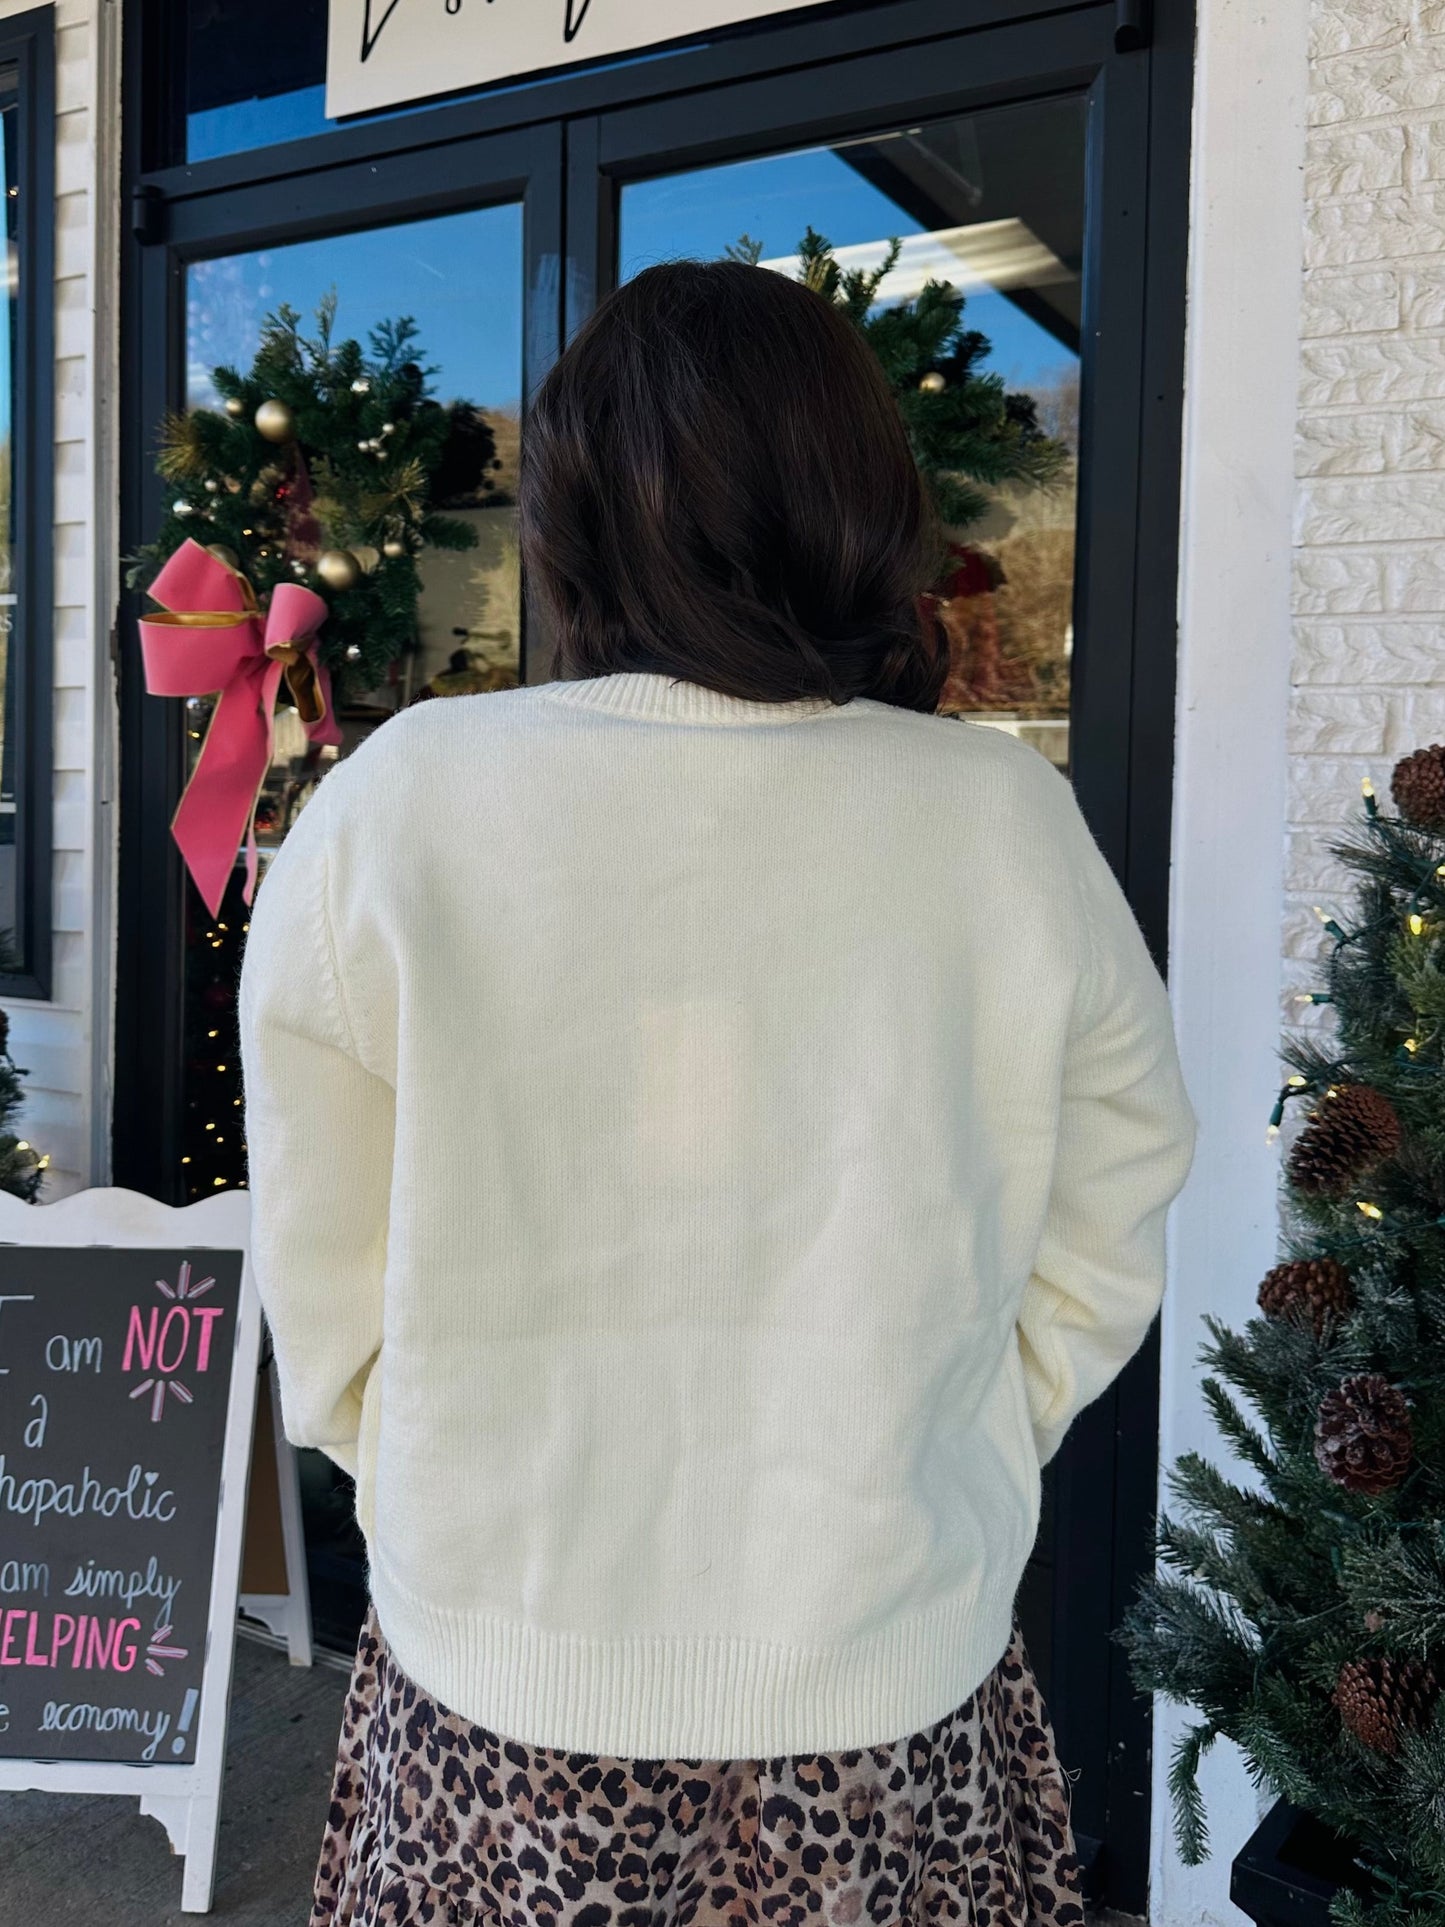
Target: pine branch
1190 1828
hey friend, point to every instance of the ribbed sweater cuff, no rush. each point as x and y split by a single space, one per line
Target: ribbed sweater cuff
703 1698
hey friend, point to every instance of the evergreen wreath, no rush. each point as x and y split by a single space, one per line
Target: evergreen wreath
330 465
1301 1610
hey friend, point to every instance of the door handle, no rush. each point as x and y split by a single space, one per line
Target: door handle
1131 26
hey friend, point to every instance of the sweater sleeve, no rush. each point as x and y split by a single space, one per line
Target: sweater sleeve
319 1136
1126 1140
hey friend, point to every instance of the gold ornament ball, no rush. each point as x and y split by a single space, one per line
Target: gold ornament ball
338 569
275 421
394 549
933 383
368 557
223 554
235 407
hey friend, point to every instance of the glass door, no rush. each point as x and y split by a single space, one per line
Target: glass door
461 254
1007 163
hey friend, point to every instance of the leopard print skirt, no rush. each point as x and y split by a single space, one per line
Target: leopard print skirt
434 1820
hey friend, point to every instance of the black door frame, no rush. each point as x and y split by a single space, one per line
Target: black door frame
563 145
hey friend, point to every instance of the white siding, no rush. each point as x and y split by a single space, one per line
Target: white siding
65 1043
1368 680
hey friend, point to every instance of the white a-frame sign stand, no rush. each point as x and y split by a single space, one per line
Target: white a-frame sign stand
129 1346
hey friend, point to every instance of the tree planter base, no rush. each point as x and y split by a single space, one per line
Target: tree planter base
1290 1869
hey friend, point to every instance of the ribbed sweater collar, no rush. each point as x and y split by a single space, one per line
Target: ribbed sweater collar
659 698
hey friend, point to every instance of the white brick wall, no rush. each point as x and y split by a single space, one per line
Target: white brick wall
64 1043
1368 665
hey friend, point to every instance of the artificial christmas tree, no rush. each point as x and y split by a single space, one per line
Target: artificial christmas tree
1301 1608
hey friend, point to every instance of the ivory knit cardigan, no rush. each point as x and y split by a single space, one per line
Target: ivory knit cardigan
703 1155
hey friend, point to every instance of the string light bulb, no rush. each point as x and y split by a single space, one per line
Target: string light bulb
1371 1211
1276 1116
1367 790
1417 924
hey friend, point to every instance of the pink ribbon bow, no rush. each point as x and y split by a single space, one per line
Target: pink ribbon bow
212 638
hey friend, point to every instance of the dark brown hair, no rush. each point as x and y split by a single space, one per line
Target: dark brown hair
716 486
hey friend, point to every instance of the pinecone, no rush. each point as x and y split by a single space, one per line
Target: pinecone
1354 1129
1418 787
1379 1699
1363 1436
1319 1288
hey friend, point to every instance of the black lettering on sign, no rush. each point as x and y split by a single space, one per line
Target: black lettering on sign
379 12
110 1481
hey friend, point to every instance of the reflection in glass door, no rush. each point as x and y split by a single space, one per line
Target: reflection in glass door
991 203
459 278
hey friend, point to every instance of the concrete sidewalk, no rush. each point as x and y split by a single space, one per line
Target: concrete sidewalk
71 1858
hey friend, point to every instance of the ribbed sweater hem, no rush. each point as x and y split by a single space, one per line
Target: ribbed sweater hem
706 1697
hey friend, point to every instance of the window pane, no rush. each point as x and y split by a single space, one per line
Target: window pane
994 204
459 277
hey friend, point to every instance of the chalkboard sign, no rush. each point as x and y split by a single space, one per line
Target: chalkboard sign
129 1349
116 1373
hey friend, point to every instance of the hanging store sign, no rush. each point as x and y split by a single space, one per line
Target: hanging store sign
383 53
